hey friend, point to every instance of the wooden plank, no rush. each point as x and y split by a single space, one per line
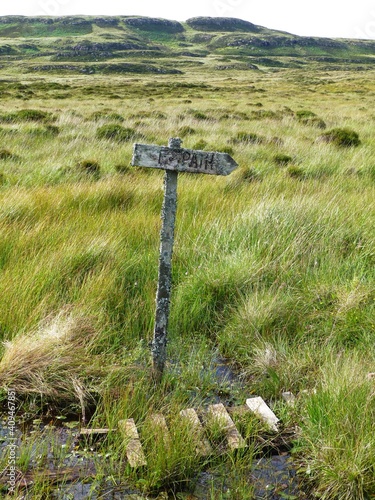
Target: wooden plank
260 408
289 398
62 475
219 414
203 447
158 421
134 451
183 160
94 432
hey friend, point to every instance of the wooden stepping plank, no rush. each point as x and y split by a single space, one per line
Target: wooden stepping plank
220 415
289 398
202 444
260 408
94 432
158 420
134 450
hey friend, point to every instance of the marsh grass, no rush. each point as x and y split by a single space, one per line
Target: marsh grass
49 360
340 416
273 267
343 137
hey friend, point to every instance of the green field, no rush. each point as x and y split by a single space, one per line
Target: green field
273 266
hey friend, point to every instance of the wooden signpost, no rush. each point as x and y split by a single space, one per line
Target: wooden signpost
172 159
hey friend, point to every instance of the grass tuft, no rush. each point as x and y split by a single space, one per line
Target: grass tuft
117 133
90 167
49 360
342 137
282 160
338 441
186 131
26 115
247 138
5 154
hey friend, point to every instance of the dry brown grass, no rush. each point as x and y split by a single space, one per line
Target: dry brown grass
50 360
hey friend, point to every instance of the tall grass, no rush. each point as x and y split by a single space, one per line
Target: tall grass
338 430
273 268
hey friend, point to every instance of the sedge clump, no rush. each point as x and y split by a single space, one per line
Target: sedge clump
342 137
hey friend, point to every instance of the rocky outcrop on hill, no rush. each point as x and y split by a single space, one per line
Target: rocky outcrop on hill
7 50
222 24
105 22
106 68
14 19
151 23
66 20
87 48
277 41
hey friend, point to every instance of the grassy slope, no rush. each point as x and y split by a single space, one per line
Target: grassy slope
41 44
273 266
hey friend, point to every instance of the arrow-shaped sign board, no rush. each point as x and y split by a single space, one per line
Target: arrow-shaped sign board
182 160
173 159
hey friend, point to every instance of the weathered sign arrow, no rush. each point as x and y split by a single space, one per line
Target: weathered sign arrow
183 160
172 159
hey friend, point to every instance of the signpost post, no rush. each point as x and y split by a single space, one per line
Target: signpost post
172 159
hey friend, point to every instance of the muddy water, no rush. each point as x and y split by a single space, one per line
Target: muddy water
272 477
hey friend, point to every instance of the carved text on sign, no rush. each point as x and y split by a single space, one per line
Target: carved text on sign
187 160
182 160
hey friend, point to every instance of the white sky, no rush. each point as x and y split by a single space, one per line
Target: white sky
331 18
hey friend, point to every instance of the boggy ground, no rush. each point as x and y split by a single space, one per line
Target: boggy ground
273 268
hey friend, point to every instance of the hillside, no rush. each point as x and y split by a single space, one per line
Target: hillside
147 45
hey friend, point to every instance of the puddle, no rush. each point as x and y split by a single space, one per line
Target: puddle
275 477
209 485
81 491
223 373
271 478
228 383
